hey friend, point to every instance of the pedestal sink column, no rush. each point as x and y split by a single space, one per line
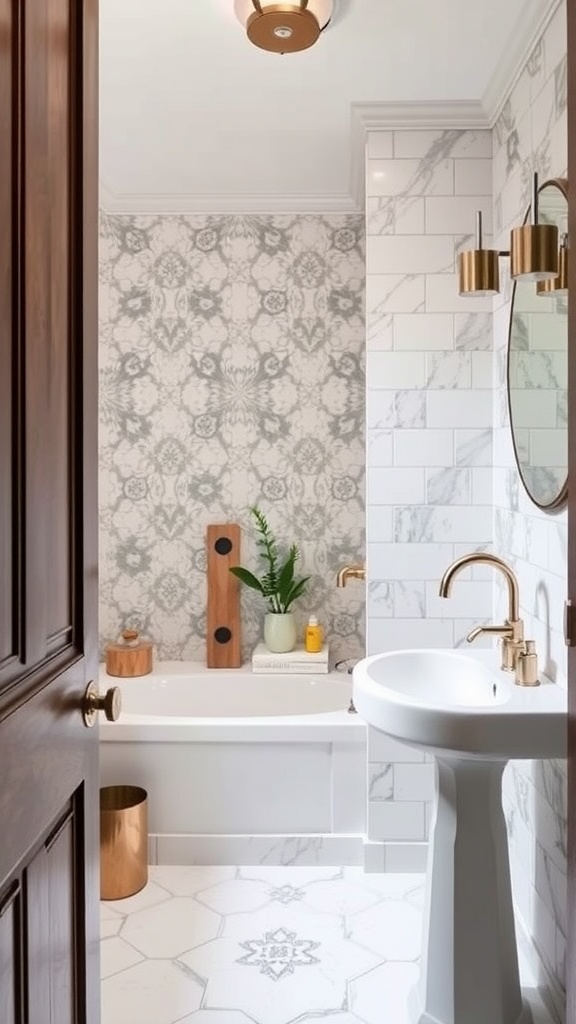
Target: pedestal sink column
469 972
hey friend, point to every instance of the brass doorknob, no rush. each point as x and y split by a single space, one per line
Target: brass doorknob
110 703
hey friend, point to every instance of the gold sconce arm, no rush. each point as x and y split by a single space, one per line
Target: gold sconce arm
534 254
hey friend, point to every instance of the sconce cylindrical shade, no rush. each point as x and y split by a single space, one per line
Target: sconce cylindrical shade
534 252
478 272
556 285
284 27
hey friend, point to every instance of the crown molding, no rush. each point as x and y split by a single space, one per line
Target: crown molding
508 71
365 117
375 117
422 114
105 196
216 203
472 114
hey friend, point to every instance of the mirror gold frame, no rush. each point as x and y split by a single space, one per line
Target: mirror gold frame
559 499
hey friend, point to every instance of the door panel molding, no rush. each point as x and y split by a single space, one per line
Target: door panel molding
11 946
48 503
49 820
571 908
10 124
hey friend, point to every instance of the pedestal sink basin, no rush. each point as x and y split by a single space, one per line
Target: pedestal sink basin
445 701
470 715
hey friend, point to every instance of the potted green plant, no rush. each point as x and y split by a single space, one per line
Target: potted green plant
277 584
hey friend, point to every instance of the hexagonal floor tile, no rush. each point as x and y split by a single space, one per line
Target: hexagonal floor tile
149 896
171 928
290 875
110 921
153 992
390 885
392 928
382 994
219 1017
116 955
339 897
279 964
238 896
331 1018
188 880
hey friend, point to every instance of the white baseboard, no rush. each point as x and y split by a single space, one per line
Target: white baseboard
304 850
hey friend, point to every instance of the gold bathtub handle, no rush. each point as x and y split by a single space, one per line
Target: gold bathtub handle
110 703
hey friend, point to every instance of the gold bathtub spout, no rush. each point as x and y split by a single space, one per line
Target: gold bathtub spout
350 572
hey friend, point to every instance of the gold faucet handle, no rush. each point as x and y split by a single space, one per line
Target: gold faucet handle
506 632
527 665
512 634
511 631
503 631
511 651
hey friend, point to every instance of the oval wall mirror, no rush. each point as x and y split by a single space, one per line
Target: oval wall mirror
538 368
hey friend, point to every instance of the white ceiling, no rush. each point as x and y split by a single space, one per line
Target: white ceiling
194 117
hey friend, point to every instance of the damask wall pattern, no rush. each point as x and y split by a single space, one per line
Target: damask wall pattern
231 374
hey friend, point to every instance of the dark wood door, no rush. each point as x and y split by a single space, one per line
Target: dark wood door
571 937
48 332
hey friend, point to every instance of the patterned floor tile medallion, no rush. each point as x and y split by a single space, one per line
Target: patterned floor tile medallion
217 945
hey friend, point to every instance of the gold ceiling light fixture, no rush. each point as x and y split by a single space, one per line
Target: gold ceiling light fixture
284 28
533 255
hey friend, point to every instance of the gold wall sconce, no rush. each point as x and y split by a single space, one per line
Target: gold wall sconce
557 286
478 269
534 256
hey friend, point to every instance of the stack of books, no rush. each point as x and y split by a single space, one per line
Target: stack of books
296 661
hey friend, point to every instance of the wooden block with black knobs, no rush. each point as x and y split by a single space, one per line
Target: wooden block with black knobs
223 638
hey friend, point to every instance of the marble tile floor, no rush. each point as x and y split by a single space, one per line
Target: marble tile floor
265 945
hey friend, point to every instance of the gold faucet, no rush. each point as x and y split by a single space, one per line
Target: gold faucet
350 572
518 655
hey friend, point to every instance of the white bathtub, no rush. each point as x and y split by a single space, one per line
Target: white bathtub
241 768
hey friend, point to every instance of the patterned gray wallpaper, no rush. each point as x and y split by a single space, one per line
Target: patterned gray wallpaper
231 373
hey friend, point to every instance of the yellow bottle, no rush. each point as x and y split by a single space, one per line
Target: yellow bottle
313 636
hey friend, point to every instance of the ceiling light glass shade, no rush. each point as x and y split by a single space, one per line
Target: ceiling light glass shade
478 270
557 285
283 27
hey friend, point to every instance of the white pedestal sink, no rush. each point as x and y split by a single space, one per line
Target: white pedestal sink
472 717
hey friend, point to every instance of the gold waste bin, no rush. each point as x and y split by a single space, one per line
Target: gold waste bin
123 841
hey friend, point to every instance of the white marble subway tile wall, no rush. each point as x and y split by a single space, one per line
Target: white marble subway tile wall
429 430
434 410
429 401
531 134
